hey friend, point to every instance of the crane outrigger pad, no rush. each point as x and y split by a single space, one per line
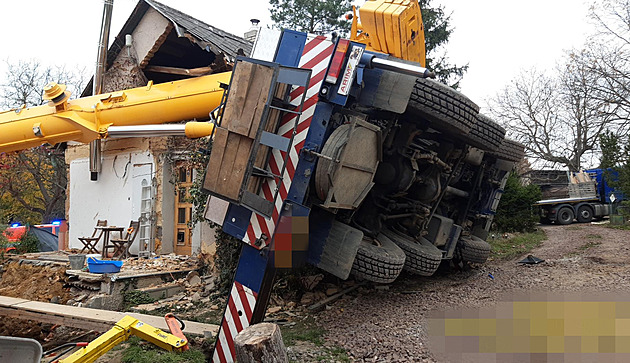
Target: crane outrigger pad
249 135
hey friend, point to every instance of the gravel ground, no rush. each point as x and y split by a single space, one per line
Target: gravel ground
388 323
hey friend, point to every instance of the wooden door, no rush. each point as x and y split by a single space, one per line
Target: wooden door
183 212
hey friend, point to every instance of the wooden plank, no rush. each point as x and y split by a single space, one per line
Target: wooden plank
86 318
13 313
226 175
236 99
258 96
249 93
9 301
211 180
240 164
194 72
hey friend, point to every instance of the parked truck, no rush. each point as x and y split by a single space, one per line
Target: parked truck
341 153
591 197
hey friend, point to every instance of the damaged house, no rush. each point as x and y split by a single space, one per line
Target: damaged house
148 179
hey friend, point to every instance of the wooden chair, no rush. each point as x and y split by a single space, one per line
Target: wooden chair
89 243
121 245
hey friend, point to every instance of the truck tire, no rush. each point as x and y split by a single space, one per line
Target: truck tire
565 216
423 258
378 260
510 150
585 214
473 249
485 134
446 109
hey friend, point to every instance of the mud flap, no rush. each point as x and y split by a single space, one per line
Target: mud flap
332 245
387 90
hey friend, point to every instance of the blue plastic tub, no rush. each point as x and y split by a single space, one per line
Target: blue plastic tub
103 267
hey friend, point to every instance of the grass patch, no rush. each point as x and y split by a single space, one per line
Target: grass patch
305 330
149 353
135 298
624 227
208 317
588 245
334 354
519 244
593 236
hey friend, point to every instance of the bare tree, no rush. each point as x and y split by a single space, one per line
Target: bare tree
560 118
607 57
25 80
556 117
33 182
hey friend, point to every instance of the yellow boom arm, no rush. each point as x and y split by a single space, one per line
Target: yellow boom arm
391 26
86 119
124 328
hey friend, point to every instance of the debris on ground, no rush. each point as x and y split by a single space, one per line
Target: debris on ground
38 283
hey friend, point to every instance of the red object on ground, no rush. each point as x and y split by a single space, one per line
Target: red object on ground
173 322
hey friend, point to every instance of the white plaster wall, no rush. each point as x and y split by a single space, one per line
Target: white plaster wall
203 238
150 28
108 198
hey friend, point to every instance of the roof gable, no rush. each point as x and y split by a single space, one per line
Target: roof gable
217 40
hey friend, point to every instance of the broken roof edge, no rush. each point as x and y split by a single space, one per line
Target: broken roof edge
177 17
136 16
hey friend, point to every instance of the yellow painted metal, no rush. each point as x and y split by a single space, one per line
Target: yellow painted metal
391 26
123 329
196 130
86 119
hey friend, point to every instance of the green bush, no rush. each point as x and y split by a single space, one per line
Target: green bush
226 260
27 244
516 212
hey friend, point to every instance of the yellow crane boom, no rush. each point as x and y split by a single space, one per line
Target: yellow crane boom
86 119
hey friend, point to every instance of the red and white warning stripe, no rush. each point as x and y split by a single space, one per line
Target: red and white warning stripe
316 56
237 317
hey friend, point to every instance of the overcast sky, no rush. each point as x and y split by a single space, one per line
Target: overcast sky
497 38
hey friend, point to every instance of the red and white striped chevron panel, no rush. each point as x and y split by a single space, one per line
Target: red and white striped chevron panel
237 317
316 56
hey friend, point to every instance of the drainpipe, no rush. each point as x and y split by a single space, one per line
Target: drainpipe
101 59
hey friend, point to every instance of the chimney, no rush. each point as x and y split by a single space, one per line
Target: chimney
250 35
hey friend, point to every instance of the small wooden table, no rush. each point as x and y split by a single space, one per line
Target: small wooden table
107 230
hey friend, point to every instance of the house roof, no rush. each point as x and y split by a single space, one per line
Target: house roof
218 40
208 37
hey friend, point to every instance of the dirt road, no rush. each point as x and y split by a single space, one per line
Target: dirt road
390 325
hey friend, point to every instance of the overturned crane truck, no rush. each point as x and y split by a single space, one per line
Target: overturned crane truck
331 152
335 152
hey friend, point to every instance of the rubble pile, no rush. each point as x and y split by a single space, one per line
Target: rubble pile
32 282
160 263
194 289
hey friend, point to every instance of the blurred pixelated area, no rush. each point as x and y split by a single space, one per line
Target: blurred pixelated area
290 245
541 327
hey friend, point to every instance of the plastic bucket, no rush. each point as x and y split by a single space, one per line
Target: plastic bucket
76 261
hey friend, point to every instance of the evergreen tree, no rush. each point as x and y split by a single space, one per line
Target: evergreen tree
326 16
311 16
437 30
516 212
611 150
